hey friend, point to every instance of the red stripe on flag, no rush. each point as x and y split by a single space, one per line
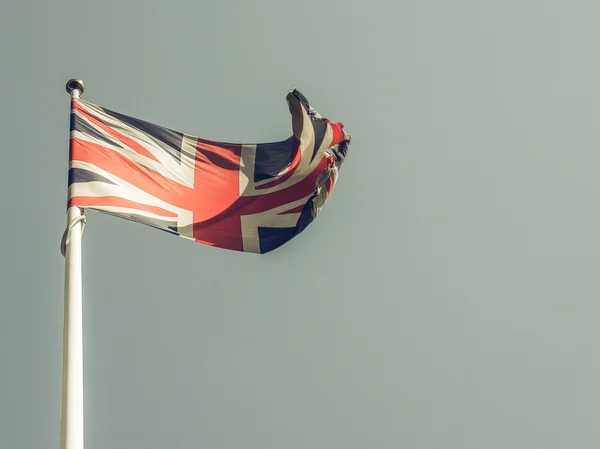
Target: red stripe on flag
112 132
338 132
115 201
216 190
296 210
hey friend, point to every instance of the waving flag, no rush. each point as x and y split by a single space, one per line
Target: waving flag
243 197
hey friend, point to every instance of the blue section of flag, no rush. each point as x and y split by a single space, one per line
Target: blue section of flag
273 238
272 158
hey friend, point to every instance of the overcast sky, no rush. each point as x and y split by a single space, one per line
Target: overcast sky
447 296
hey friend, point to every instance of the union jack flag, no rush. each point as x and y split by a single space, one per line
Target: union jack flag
243 197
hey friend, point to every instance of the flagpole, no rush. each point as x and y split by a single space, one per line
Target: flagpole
71 415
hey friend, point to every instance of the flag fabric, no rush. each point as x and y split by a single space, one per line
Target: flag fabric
243 197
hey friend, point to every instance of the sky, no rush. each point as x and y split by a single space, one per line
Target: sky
446 297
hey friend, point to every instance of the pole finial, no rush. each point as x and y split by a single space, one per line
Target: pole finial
75 84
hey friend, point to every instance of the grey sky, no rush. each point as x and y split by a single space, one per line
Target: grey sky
448 295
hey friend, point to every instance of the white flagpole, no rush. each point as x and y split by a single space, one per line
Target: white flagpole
71 414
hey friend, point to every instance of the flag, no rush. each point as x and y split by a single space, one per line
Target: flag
242 197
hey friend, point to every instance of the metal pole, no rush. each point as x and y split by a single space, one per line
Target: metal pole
71 415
